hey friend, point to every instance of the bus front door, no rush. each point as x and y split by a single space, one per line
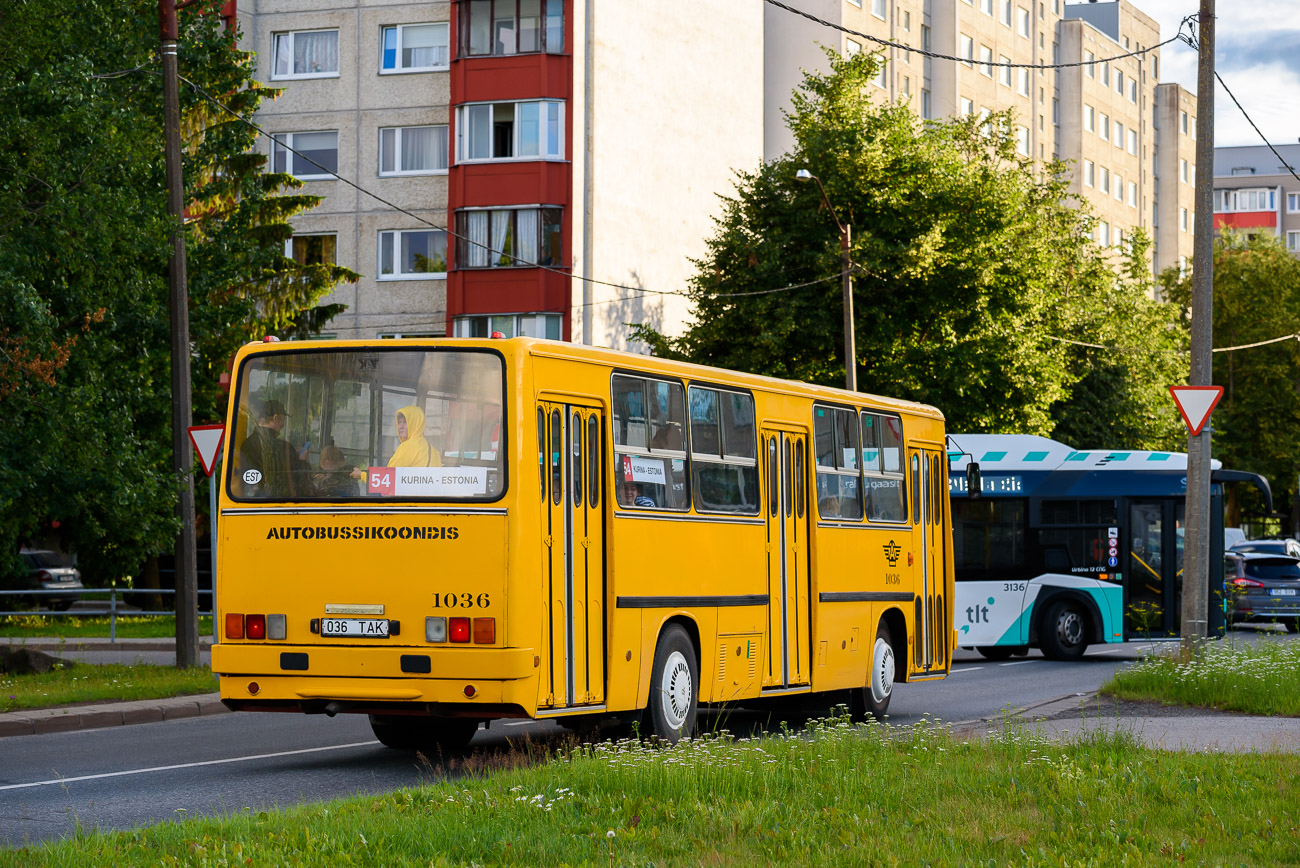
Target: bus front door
570 450
789 621
931 495
1153 573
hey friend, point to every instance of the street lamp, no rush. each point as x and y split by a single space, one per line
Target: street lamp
846 266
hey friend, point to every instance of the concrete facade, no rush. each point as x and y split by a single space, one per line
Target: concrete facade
1256 192
1175 171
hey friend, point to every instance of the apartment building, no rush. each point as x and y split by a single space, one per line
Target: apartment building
1256 192
532 171
1099 114
1175 175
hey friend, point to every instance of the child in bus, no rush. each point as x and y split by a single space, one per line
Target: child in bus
336 477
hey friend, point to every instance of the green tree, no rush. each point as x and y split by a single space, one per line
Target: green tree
1256 298
967 259
84 241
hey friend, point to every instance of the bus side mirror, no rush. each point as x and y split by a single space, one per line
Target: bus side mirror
974 488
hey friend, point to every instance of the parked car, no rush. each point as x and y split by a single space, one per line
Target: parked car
1289 547
49 571
1262 587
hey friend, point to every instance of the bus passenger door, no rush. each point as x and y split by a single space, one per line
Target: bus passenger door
789 621
929 489
1154 568
573 555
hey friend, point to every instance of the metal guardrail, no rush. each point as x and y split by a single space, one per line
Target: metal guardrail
112 611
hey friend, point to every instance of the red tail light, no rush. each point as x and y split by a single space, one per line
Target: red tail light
234 625
255 626
485 631
1247 583
45 576
458 629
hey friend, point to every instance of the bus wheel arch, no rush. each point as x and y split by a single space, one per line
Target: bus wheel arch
872 698
894 620
674 690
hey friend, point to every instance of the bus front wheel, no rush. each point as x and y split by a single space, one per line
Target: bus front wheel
873 698
405 732
674 687
996 652
1063 633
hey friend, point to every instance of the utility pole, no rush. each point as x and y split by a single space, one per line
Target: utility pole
187 627
1197 539
846 278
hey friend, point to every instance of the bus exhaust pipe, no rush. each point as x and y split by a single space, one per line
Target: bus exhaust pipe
332 708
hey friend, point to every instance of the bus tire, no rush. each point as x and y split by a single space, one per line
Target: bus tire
996 652
1063 633
674 687
430 734
873 698
397 732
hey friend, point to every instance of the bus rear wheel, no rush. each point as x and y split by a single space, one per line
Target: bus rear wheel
403 732
873 698
674 687
996 652
1063 633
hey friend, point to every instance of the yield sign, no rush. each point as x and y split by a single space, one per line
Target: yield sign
1196 403
207 442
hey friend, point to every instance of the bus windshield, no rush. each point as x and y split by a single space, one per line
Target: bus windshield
370 423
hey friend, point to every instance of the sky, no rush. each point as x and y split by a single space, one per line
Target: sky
1257 53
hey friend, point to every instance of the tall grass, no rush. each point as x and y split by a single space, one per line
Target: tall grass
1258 678
87 682
832 794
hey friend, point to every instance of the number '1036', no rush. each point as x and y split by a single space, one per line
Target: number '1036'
461 601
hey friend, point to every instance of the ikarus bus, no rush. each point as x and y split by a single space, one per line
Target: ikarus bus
1067 548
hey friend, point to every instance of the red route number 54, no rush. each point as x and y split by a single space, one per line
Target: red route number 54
381 481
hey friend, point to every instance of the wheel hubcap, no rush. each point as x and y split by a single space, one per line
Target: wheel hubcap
882 671
1069 627
676 690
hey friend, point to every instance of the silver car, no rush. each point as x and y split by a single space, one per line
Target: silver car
51 571
1262 587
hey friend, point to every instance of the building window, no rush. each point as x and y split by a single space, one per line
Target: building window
1119 134
508 237
1103 128
907 21
412 150
511 26
524 325
306 156
1119 82
1293 202
1105 73
925 37
1089 118
986 6
1006 12
1182 219
1182 121
1056 112
415 48
1004 71
1022 141
305 54
410 254
986 61
882 79
1104 184
851 48
1117 237
1088 173
1133 91
1090 68
1132 194
907 86
1293 242
1022 18
1182 171
967 49
1103 232
925 104
1119 187
312 249
1133 142
967 107
1244 200
397 336
1023 86
878 8
510 130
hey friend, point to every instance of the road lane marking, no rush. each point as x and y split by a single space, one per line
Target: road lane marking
519 723
216 762
1020 662
955 670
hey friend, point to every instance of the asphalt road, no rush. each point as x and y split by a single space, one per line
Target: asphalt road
124 777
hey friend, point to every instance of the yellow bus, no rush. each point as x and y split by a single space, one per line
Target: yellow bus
443 533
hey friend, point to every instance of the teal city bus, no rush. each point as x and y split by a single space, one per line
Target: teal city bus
1063 548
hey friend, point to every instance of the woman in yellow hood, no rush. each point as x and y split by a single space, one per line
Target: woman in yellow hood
413 450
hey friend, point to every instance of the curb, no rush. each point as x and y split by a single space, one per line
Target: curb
47 720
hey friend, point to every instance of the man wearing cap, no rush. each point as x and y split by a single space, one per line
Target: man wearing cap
280 472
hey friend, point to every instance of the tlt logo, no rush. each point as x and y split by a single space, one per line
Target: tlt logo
977 614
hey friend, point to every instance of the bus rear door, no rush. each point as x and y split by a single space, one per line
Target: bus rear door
789 621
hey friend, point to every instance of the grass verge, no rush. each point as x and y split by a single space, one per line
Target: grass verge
88 682
36 626
1260 677
836 794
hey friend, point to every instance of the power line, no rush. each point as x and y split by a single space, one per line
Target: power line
1291 337
925 52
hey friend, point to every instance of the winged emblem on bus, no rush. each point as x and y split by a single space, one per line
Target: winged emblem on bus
892 551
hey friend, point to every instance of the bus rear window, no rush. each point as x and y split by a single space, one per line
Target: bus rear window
366 423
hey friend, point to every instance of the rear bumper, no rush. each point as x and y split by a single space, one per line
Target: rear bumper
489 682
1258 608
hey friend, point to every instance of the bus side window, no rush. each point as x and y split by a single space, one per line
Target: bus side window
541 449
593 461
575 475
916 490
772 472
557 469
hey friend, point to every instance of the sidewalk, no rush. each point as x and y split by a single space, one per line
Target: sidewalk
97 649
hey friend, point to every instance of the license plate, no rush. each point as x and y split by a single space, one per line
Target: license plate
363 628
1282 592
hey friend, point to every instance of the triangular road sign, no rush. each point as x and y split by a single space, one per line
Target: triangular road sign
1196 403
207 442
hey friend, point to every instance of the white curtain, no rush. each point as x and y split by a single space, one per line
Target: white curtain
526 241
388 150
420 46
440 157
417 149
316 52
501 238
477 226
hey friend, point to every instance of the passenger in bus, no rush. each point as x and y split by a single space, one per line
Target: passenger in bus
630 495
284 472
336 478
412 449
